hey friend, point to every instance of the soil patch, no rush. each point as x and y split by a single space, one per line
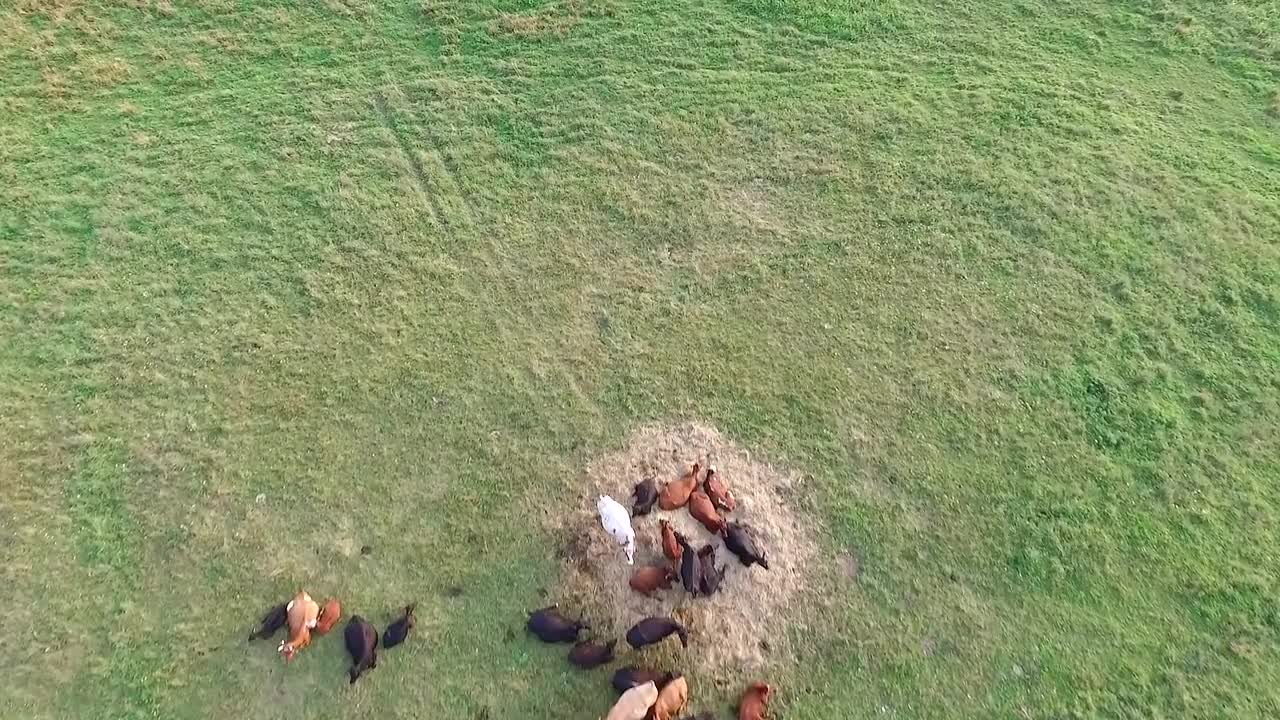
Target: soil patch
741 628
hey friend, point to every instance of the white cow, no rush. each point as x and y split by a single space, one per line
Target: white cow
617 521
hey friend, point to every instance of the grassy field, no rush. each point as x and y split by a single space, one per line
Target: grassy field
279 280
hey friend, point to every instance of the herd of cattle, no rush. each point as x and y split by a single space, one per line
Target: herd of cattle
646 694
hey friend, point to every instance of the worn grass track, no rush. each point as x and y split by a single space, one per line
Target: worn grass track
1000 278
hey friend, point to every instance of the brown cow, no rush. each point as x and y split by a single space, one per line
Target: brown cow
330 613
704 511
648 579
676 493
718 491
672 700
755 702
587 655
670 546
303 614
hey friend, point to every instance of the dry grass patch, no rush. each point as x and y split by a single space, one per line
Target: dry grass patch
106 72
552 21
55 10
55 84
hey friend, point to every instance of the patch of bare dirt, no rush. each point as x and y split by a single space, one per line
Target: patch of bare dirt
734 632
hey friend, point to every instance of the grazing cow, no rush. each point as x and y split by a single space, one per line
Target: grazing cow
634 703
362 645
740 543
645 494
711 575
670 546
755 702
654 630
303 615
552 627
397 631
672 700
690 567
718 491
628 677
617 522
702 510
275 619
676 493
588 655
330 613
649 578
